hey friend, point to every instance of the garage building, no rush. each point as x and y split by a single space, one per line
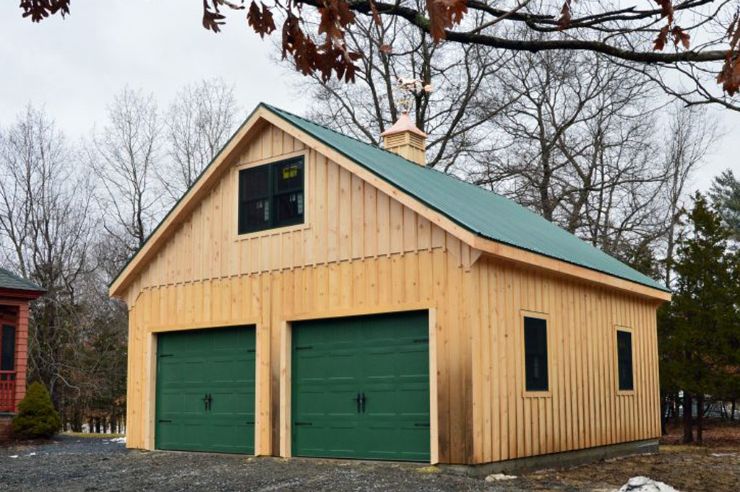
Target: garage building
313 295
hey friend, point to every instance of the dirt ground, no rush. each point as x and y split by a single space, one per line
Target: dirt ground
71 463
712 466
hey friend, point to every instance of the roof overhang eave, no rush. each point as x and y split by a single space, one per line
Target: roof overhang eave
563 268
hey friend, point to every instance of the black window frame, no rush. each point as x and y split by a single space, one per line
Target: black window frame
8 363
273 194
625 361
536 356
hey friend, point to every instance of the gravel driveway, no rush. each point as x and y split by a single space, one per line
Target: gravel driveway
74 464
77 464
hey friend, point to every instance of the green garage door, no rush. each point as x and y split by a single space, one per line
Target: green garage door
205 390
361 387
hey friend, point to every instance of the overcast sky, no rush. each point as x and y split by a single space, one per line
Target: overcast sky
72 67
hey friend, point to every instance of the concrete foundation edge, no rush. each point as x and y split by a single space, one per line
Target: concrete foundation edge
556 460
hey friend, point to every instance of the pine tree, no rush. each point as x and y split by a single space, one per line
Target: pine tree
700 330
36 415
725 195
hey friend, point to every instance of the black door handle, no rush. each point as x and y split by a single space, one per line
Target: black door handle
358 400
210 401
207 399
362 402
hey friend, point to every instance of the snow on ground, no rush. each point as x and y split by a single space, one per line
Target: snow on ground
121 440
499 476
644 484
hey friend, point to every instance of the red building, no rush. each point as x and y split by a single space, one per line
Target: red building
15 294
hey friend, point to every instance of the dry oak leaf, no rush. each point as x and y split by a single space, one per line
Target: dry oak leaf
565 16
335 16
39 10
260 19
443 14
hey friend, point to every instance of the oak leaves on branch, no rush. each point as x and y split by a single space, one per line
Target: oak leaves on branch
318 46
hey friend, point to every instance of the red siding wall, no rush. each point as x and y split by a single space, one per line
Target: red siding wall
20 321
21 353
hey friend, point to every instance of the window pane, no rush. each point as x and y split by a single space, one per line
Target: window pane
535 353
624 355
256 215
7 351
271 196
254 183
289 176
289 208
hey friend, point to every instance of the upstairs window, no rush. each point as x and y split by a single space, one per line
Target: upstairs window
271 195
7 348
535 354
624 359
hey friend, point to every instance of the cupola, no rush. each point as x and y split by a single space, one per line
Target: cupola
404 139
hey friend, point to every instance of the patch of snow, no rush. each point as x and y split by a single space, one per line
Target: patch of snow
722 455
31 454
121 440
499 476
14 456
644 484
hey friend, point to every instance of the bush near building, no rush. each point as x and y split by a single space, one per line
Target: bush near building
36 417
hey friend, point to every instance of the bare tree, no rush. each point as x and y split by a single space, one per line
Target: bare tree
575 146
689 136
199 123
123 156
45 217
453 113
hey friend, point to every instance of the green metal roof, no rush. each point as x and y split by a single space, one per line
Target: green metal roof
480 211
9 280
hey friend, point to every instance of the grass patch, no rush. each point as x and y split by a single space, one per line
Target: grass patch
92 435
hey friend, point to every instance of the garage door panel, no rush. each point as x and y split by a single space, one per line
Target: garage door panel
192 364
386 358
180 403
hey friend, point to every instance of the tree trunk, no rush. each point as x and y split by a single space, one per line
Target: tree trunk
699 417
688 434
664 408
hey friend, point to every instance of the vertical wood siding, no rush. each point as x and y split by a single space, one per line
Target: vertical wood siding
413 280
583 408
368 223
362 251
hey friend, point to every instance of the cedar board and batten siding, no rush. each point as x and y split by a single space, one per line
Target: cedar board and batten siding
361 251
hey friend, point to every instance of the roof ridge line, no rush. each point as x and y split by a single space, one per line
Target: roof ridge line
275 108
